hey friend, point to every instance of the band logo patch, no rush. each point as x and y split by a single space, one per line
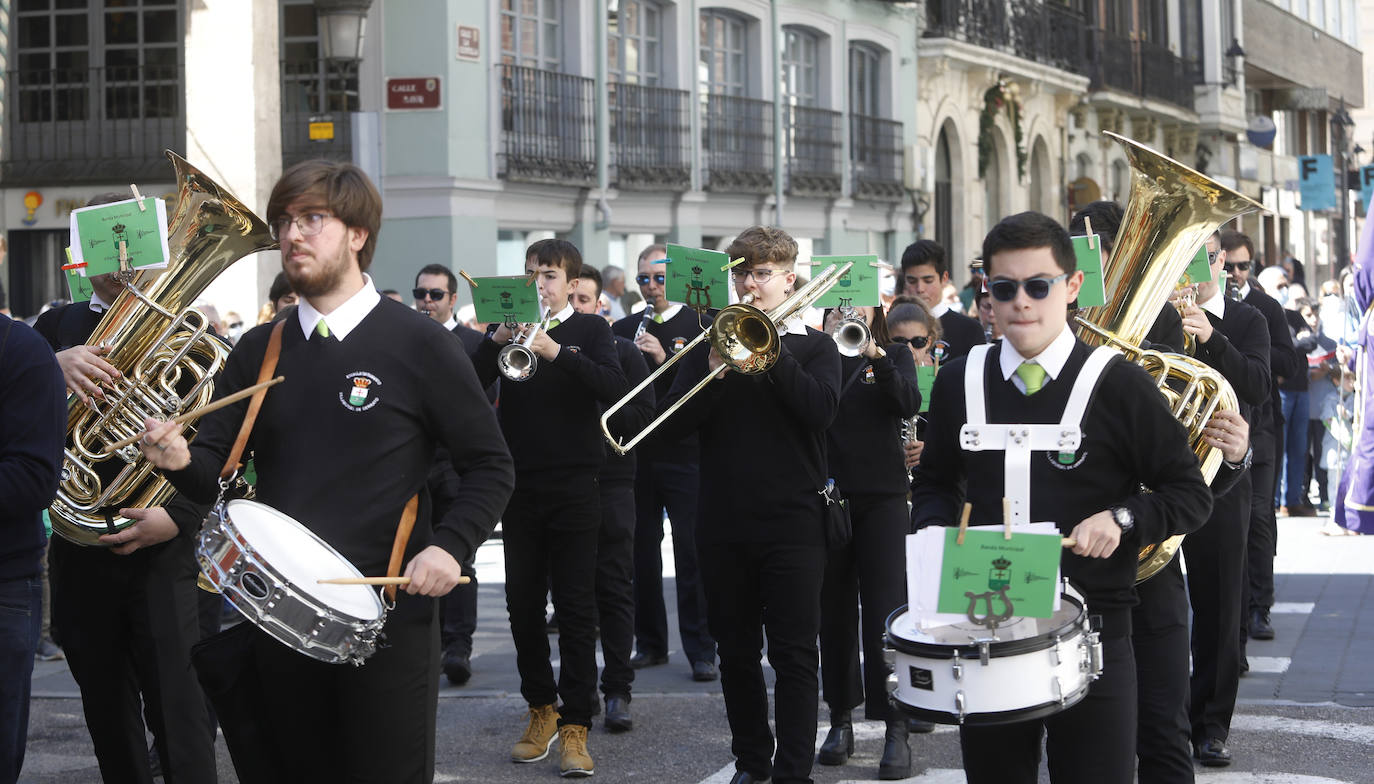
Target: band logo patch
573 349
679 343
1067 461
868 376
362 392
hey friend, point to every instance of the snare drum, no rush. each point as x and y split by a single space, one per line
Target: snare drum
267 565
956 674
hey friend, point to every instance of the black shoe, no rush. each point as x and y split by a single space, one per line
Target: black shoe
641 660
457 668
618 717
1302 510
1244 665
896 761
839 741
1259 626
919 726
741 777
1213 753
704 671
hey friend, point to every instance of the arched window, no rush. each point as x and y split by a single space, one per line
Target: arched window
723 63
800 73
944 192
634 40
530 33
865 80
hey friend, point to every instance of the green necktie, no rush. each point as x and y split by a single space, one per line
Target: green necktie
552 323
658 318
321 328
1033 375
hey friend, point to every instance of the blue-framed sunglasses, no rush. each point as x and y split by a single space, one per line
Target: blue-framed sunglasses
1004 290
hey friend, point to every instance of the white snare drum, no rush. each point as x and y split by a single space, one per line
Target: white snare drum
268 565
956 675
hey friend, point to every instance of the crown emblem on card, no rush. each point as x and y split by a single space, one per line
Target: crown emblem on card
696 271
1001 564
118 228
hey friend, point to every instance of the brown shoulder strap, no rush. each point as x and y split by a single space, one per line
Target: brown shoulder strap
398 546
269 366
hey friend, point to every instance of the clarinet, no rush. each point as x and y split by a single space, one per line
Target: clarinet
648 316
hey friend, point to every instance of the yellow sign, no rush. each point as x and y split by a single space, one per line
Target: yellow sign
321 131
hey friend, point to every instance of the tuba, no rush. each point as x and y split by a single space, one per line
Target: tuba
165 353
1171 211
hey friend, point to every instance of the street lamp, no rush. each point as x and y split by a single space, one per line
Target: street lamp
1233 56
341 28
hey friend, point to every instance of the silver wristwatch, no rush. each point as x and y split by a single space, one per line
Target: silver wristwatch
1123 518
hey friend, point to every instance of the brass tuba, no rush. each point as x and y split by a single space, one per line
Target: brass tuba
1171 211
165 354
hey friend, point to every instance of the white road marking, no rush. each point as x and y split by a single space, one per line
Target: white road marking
1316 728
1271 664
1293 608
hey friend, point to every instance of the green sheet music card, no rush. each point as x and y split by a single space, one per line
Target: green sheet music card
925 381
859 284
1199 270
1025 564
504 298
79 285
99 230
697 278
1088 251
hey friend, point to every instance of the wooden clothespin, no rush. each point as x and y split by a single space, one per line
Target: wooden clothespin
1006 519
529 279
123 256
468 278
963 522
138 197
1088 227
733 264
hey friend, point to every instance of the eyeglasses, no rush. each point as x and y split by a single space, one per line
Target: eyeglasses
1004 290
309 224
1232 266
643 278
762 275
919 341
437 295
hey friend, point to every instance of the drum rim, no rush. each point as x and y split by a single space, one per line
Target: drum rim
996 649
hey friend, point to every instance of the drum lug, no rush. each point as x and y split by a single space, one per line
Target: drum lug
984 652
959 706
892 683
958 668
1092 654
1054 652
889 658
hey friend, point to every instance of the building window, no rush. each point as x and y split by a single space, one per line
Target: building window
634 43
722 69
312 89
800 74
944 192
530 33
865 80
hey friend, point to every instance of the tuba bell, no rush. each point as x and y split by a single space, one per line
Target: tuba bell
165 353
1171 211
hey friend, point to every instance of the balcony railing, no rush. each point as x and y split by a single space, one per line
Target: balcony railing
1165 76
811 142
548 129
650 137
737 141
316 91
81 125
1031 29
1141 68
877 155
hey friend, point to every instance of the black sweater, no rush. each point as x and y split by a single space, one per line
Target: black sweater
864 443
761 442
961 333
345 465
630 419
552 420
1130 439
1283 359
33 426
677 331
1239 350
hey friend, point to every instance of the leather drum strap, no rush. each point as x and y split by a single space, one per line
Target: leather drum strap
398 546
269 366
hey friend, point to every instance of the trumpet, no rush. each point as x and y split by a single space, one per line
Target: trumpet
852 334
517 361
745 338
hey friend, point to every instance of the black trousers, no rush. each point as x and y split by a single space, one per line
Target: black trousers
615 601
1159 636
1263 537
1216 574
869 572
1091 743
753 590
127 624
673 487
458 615
1316 433
550 533
337 722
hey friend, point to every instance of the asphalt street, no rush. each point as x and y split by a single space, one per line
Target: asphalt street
1304 716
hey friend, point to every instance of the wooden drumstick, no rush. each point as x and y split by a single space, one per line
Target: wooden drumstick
227 400
464 580
1069 541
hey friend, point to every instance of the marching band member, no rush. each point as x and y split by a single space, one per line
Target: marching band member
866 458
551 525
761 537
344 464
1093 495
925 273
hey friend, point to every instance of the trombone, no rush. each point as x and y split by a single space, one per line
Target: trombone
517 361
746 339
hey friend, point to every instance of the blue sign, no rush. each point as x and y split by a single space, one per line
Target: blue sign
1317 182
1366 184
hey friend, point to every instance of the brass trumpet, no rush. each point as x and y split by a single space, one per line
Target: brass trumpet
746 339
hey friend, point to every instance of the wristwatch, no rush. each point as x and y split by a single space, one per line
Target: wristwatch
1123 518
1244 461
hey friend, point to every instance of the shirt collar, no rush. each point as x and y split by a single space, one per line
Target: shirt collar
1245 290
672 310
939 310
97 304
1052 359
345 317
1216 305
562 315
794 326
451 323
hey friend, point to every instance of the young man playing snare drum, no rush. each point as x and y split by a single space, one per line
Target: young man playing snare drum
344 464
1095 497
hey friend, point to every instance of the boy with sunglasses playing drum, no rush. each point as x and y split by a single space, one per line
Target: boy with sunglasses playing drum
1093 493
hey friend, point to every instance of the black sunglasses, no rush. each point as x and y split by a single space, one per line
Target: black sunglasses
1004 290
643 278
919 341
434 294
1232 266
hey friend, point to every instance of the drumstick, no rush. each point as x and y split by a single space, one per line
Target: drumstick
205 409
963 522
464 580
1069 541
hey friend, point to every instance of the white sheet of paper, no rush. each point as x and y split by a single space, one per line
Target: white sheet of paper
924 560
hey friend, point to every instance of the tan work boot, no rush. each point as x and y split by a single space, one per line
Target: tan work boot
539 735
576 762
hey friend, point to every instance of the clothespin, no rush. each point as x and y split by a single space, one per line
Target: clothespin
468 278
732 264
1088 227
660 261
529 279
138 197
123 256
963 522
1006 519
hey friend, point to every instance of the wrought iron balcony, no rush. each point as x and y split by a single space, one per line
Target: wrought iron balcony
82 125
317 91
737 137
548 128
877 156
1031 29
1141 68
650 137
811 142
